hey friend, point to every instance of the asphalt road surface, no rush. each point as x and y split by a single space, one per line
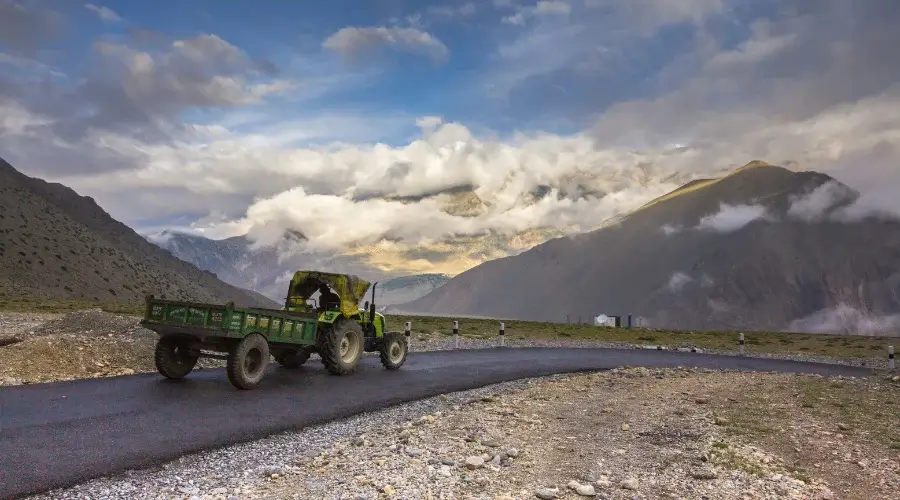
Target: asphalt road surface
60 434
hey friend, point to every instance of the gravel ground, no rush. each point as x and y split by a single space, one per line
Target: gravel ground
13 324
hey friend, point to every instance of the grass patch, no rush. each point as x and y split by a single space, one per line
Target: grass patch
28 304
843 346
730 459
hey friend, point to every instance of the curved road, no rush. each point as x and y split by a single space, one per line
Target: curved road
59 434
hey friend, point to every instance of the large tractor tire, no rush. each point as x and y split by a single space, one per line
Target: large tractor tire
293 359
248 361
394 349
342 347
173 357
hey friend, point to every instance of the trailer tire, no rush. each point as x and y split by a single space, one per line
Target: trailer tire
173 358
393 351
342 347
293 359
248 361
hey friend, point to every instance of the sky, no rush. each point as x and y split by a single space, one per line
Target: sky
358 123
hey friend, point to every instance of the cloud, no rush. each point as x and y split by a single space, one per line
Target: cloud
452 12
356 41
846 319
647 16
134 98
815 205
542 8
669 229
104 13
730 218
24 26
678 281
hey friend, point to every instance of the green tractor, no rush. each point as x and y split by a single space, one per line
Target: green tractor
333 326
344 330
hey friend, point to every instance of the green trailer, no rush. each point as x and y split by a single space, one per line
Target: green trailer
331 325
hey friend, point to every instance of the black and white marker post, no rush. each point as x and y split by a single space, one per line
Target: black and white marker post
502 334
408 331
891 362
456 334
741 342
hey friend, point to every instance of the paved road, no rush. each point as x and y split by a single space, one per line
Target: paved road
54 435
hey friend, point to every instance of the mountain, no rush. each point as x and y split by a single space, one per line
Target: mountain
762 248
406 288
59 245
268 269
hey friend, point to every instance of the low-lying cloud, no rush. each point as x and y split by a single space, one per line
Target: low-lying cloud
818 204
730 218
846 319
678 281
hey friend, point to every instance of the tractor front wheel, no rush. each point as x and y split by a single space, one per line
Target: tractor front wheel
293 359
173 357
342 347
248 361
394 349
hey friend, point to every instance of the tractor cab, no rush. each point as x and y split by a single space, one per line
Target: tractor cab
343 327
334 295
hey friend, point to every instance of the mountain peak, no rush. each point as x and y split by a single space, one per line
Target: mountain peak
756 164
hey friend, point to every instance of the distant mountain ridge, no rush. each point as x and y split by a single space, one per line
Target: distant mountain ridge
269 269
59 245
762 248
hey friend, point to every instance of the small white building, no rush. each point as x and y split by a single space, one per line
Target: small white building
604 320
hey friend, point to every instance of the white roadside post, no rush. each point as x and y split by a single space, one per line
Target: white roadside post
456 334
408 331
741 341
891 362
502 334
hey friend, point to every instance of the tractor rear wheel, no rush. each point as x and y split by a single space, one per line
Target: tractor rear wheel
394 349
293 359
342 347
173 357
248 361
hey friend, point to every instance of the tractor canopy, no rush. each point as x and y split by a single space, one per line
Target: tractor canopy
350 289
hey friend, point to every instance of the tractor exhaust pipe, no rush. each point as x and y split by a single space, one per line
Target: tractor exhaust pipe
372 304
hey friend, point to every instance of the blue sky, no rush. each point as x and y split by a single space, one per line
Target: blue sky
231 117
541 88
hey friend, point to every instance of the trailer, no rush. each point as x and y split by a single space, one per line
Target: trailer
339 331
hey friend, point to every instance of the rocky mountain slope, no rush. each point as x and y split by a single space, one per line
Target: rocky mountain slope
59 245
761 248
268 269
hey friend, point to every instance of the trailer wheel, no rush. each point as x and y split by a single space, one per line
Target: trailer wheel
173 358
248 361
342 347
394 349
293 359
